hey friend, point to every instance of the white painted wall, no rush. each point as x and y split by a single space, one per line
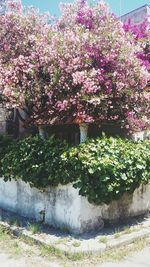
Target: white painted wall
64 208
143 135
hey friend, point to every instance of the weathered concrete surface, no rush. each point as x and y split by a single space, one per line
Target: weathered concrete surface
63 207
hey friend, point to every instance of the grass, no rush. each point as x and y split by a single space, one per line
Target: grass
34 228
50 250
117 235
9 242
126 230
103 239
15 222
4 234
16 250
64 229
76 244
62 241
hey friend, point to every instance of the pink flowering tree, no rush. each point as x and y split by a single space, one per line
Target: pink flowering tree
100 76
84 68
141 35
24 77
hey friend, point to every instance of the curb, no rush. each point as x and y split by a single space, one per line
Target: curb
91 246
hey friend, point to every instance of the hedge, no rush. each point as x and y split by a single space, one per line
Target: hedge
36 161
5 143
103 169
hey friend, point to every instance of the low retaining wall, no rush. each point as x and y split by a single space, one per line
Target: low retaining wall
63 207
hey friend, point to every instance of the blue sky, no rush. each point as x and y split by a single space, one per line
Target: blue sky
53 5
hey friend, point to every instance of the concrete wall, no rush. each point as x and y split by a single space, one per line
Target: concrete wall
143 135
63 207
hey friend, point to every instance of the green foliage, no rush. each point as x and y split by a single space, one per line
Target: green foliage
5 143
111 167
36 161
103 169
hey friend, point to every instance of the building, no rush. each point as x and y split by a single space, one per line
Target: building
2 7
138 15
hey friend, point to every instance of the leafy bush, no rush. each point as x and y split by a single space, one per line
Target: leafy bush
36 161
103 169
5 143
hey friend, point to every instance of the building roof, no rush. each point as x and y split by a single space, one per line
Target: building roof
2 7
137 15
136 9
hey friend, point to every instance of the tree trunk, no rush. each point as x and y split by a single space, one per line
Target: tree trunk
83 132
41 132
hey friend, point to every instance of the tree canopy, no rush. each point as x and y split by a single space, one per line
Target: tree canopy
85 66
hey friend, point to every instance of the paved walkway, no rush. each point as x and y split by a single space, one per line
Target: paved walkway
140 259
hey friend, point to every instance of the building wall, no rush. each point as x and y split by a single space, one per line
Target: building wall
63 207
138 15
2 7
